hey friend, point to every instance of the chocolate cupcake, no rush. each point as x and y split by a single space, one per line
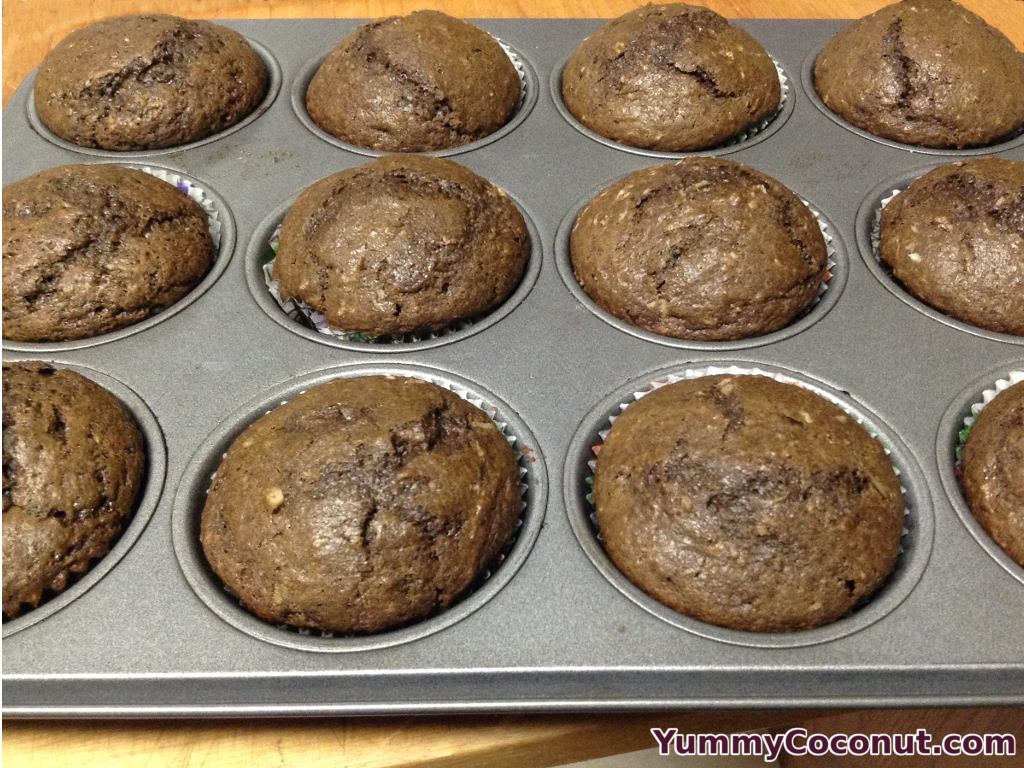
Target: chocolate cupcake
146 82
88 249
993 465
704 249
401 245
955 239
361 504
670 77
747 503
925 72
414 83
73 461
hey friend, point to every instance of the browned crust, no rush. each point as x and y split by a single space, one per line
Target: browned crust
748 503
362 503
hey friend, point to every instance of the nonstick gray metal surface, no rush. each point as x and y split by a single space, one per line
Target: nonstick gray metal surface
552 629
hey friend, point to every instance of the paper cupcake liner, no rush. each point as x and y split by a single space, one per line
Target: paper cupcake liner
196 193
520 70
301 311
876 234
751 131
697 373
480 579
1014 377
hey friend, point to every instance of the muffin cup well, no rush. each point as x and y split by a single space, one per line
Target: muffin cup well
528 88
915 544
837 269
191 498
296 319
273 88
1016 139
953 428
746 138
868 227
154 473
222 231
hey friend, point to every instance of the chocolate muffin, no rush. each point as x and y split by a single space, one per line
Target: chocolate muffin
747 503
414 83
73 462
670 77
994 470
705 249
925 72
955 239
145 82
402 244
360 504
88 249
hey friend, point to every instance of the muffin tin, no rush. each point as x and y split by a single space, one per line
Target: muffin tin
552 628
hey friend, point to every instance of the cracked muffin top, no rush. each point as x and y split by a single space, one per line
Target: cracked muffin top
403 244
88 249
414 83
994 470
361 504
671 78
955 239
748 503
146 82
73 461
925 72
703 249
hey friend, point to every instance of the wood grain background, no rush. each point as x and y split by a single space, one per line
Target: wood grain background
32 27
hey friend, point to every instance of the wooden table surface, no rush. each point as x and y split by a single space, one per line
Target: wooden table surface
30 29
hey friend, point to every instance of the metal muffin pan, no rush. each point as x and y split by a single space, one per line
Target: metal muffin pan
153 474
558 635
915 543
186 516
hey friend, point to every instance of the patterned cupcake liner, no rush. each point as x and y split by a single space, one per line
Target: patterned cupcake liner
697 373
481 578
987 396
195 192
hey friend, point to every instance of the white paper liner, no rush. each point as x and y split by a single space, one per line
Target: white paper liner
300 311
751 131
197 194
520 70
495 416
876 232
987 396
697 373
